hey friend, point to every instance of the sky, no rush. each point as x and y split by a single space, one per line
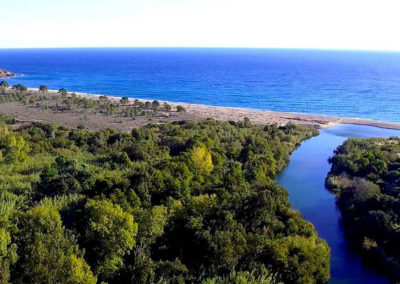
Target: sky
337 24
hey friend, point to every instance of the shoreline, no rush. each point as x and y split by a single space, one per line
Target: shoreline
201 112
325 121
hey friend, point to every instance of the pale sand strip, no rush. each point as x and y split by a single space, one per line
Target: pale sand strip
260 117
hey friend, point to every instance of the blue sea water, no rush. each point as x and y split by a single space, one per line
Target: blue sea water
342 83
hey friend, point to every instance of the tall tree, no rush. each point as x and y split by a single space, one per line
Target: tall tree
8 255
109 235
4 84
63 92
48 253
124 100
180 109
43 88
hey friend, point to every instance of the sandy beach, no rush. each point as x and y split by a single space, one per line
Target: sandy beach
73 118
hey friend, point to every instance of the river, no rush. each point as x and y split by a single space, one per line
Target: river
304 178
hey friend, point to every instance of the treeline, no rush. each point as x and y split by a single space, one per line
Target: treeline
185 202
365 176
67 101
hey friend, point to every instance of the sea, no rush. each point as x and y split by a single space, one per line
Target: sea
357 84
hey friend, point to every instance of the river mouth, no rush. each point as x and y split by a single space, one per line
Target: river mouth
304 178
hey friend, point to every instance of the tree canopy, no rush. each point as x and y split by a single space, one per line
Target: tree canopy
4 84
43 88
184 202
63 92
365 176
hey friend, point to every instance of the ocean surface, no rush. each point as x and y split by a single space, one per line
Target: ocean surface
357 84
304 178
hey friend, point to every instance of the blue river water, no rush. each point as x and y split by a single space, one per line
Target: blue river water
343 83
304 178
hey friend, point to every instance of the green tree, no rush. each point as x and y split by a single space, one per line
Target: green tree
155 105
242 277
109 236
124 100
147 105
152 223
20 88
13 148
302 260
180 109
8 255
167 106
4 84
48 253
43 88
63 92
64 177
201 160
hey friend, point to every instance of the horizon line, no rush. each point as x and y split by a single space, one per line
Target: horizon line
202 47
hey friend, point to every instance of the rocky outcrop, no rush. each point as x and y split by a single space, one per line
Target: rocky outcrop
6 74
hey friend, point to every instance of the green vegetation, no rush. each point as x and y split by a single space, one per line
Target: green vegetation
43 88
63 92
175 203
124 100
66 102
167 107
180 109
20 88
4 84
365 176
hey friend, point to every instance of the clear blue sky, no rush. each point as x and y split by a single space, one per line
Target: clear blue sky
350 24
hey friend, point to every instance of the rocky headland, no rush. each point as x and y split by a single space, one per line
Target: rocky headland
6 74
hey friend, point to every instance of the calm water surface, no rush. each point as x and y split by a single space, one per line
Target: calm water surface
341 83
304 179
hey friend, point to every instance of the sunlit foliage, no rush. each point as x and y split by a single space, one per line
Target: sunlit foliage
188 202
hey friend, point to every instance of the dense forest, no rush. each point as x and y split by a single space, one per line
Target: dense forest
365 175
171 203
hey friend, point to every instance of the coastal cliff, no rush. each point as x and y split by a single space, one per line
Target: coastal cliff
6 74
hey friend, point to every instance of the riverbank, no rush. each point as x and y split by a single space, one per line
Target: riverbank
94 120
304 178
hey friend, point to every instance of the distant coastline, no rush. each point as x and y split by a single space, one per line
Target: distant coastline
193 112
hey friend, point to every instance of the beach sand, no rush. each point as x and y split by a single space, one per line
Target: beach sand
73 118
